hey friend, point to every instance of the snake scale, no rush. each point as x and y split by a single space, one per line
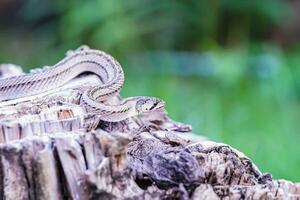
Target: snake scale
94 100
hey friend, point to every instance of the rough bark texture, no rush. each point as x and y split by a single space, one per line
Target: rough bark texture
52 149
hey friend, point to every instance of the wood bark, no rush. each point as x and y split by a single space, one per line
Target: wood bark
51 148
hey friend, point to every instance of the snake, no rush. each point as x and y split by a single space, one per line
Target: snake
94 100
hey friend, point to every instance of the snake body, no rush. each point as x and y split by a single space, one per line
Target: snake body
75 63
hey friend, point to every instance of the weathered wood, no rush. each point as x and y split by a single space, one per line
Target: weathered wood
14 180
73 166
51 148
47 179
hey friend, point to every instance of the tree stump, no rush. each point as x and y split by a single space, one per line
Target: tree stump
52 149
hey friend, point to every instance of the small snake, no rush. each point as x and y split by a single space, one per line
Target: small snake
77 62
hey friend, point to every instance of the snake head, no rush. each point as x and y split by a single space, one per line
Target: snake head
146 104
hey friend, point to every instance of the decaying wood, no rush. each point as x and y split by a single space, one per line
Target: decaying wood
52 149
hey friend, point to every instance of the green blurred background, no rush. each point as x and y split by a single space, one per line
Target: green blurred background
230 68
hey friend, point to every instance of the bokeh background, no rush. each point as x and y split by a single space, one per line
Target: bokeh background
230 68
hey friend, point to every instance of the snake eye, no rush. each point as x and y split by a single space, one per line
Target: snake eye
146 108
147 104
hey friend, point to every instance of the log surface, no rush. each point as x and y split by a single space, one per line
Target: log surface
50 148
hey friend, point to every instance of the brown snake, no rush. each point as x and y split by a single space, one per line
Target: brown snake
75 63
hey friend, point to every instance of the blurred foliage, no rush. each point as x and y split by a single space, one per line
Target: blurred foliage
228 67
